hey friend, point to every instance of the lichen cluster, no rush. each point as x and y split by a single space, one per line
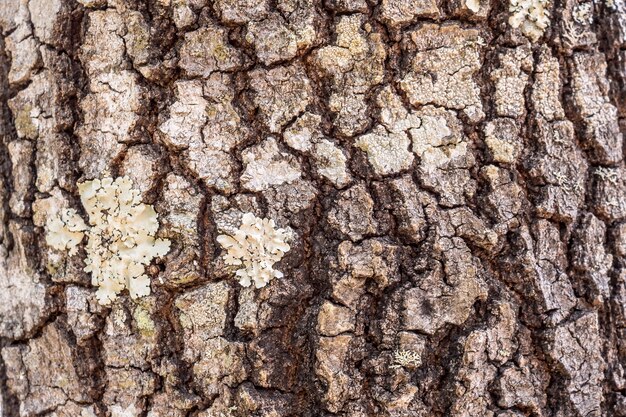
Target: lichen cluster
256 246
65 231
583 14
121 237
530 16
406 358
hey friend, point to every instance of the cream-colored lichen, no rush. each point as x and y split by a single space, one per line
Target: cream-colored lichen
255 246
406 359
530 16
65 230
121 237
583 14
607 174
473 5
119 317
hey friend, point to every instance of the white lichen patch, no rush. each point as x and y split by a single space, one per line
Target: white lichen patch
121 237
387 152
473 5
406 359
256 246
65 230
530 16
583 14
607 174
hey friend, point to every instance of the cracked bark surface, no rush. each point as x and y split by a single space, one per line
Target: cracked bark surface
452 189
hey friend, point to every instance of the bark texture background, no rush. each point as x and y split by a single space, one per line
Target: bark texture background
456 193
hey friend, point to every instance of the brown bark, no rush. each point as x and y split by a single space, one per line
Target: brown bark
455 193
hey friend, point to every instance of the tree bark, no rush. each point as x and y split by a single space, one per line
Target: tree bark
453 188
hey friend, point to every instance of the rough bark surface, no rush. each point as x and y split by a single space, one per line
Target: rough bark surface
456 196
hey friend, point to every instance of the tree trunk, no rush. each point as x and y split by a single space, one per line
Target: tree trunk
450 176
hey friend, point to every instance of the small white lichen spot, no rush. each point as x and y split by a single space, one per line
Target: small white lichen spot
256 246
610 4
473 5
121 237
607 174
65 230
583 14
407 359
119 317
530 16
